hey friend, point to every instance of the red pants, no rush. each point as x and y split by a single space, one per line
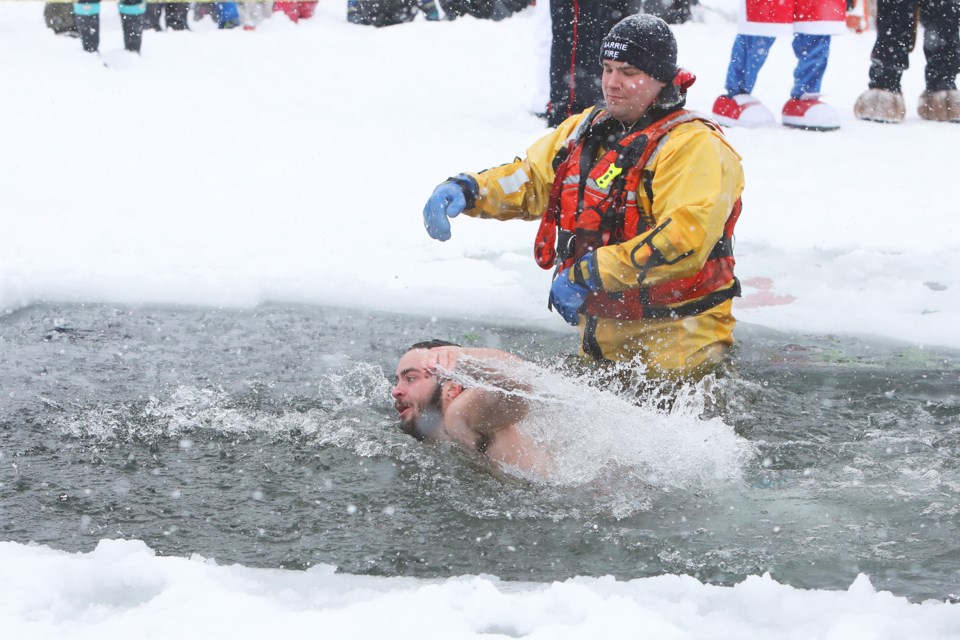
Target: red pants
296 10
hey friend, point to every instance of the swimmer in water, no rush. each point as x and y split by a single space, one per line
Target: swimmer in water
432 405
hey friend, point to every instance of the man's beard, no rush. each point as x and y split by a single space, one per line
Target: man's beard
424 421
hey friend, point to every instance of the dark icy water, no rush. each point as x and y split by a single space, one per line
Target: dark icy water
267 437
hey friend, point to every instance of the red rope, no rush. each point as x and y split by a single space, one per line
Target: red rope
573 58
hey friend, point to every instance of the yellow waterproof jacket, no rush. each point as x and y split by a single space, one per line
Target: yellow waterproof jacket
696 180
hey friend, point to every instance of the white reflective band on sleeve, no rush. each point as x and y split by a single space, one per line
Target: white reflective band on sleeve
513 182
656 151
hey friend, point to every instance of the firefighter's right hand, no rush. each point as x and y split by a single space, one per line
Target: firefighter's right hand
448 200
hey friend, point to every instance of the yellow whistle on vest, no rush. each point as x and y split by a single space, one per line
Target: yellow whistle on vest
604 181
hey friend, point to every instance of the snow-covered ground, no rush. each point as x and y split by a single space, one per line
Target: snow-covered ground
122 590
291 164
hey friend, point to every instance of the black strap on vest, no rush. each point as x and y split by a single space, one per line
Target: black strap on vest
590 345
591 135
592 348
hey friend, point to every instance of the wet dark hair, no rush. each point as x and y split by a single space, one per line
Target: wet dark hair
430 344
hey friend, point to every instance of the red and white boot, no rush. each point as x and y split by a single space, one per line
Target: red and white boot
742 111
807 112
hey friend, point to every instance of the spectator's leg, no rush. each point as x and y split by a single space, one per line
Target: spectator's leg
151 17
202 9
578 28
896 31
227 14
746 59
249 15
177 14
87 17
453 9
562 15
941 43
812 53
353 11
131 21
307 9
429 9
287 8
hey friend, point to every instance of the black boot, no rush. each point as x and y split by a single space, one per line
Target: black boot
89 28
132 31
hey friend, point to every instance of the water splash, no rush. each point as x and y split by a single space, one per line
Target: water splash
615 439
616 430
348 412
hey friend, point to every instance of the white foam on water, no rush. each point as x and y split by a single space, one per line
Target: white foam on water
615 441
627 439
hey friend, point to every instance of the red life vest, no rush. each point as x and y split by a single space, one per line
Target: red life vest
594 204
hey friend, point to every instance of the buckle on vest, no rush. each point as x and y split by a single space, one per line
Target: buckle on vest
612 172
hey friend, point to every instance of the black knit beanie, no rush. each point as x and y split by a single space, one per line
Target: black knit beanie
645 42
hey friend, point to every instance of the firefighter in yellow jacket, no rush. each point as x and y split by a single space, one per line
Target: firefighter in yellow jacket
637 202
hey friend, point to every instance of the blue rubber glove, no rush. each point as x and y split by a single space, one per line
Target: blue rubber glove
448 200
567 297
572 286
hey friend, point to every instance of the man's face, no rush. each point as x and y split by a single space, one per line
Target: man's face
417 396
628 91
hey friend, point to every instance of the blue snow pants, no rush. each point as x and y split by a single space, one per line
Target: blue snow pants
750 52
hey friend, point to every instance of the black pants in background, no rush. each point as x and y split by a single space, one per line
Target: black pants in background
896 34
176 14
578 30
